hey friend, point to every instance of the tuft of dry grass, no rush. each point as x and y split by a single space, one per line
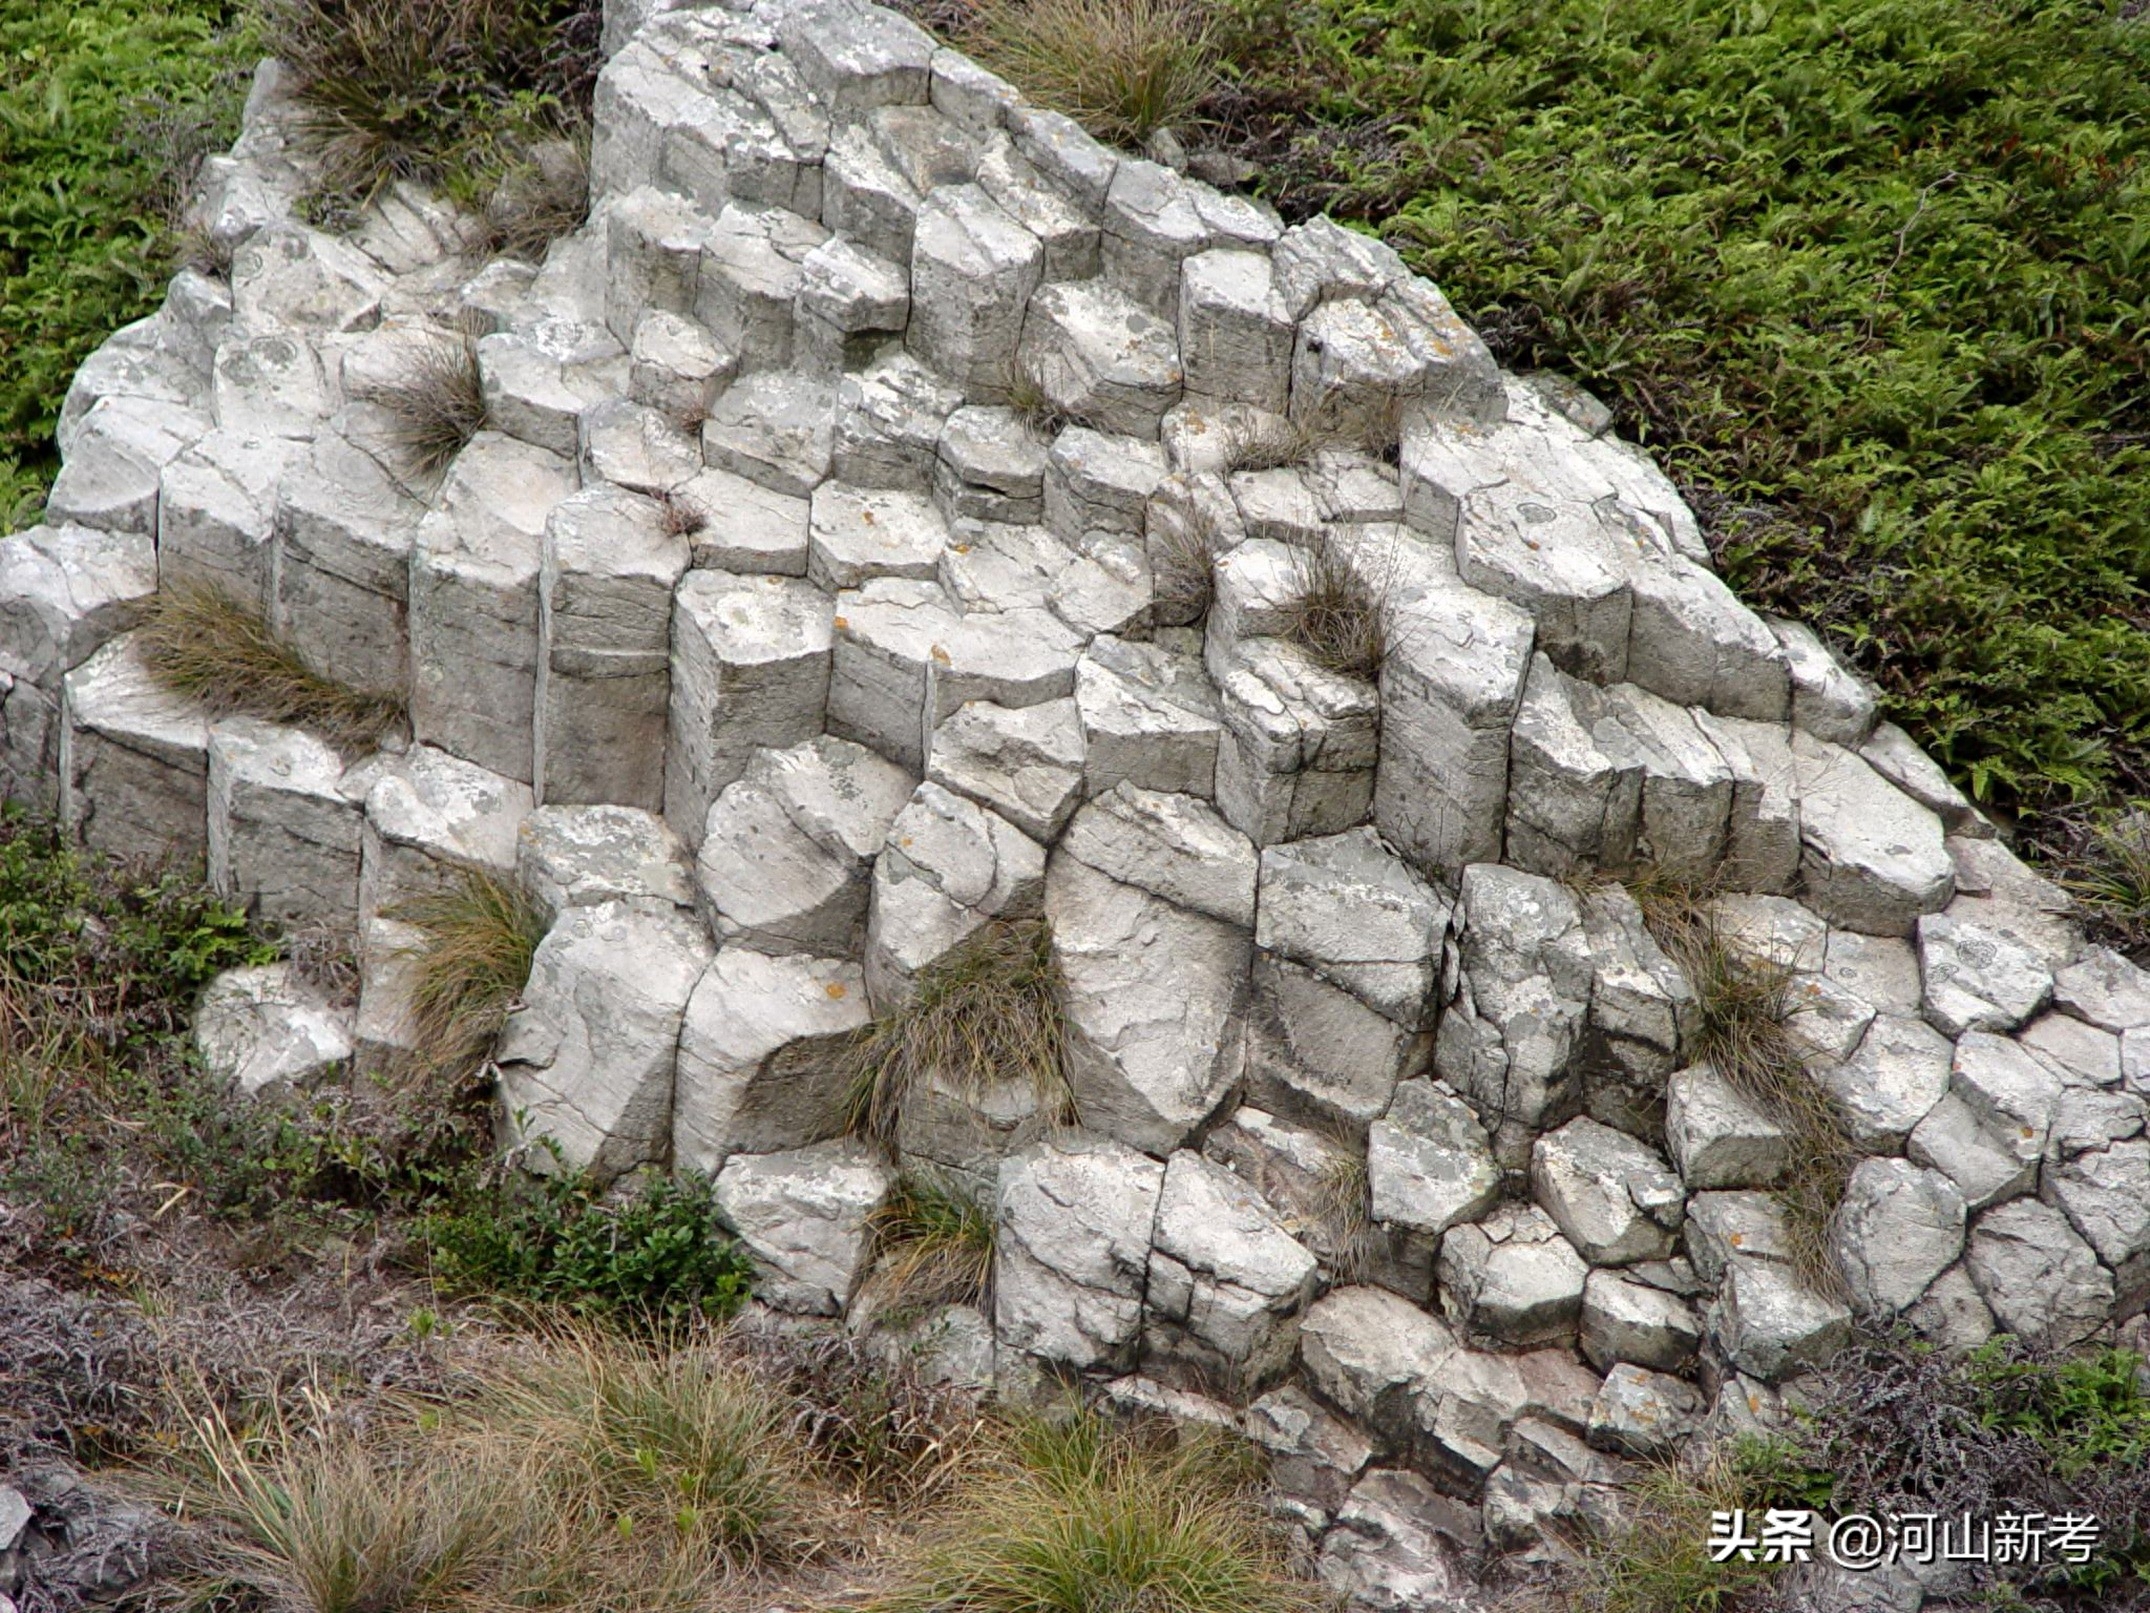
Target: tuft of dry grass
1338 614
481 933
1658 1559
1183 546
1746 1032
987 1013
1026 398
1275 442
934 1244
1121 68
1344 1208
431 90
438 404
590 1471
1081 1515
202 643
544 195
680 516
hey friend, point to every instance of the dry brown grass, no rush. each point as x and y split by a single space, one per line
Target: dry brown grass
1274 442
1747 1034
589 1470
202 643
1081 1515
544 195
1026 398
1339 613
438 403
680 516
1121 68
480 933
986 1014
934 1246
1183 547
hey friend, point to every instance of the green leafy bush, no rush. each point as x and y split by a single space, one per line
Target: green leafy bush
653 1255
1872 275
104 107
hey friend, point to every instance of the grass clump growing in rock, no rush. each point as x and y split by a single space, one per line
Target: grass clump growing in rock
1747 1033
1337 613
201 642
934 1246
479 933
986 1014
1084 1514
448 92
438 404
1121 68
1183 549
1658 1559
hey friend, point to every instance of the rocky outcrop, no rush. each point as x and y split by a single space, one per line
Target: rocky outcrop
777 656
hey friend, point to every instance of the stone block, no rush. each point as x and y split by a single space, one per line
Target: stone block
283 834
134 760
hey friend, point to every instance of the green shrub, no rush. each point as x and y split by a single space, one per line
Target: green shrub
657 1253
1872 276
104 108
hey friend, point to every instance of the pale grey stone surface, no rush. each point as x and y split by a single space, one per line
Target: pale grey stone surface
283 833
266 1032
587 1059
1614 1198
1152 998
761 1055
578 856
750 668
1226 1280
1511 1279
1073 1223
804 1216
133 757
948 867
1899 1228
1026 765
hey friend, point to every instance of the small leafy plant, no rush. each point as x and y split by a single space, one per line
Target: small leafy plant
655 1254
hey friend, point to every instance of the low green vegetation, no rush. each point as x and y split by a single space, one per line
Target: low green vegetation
933 1244
105 107
1872 277
1897 1428
1081 1514
652 1254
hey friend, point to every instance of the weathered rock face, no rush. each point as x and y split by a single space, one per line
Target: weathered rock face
776 656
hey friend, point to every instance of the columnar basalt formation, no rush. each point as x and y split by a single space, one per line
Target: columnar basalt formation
918 669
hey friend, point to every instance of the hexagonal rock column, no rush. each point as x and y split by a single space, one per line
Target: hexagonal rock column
750 669
1153 996
1226 1282
134 759
604 679
283 833
429 815
805 1216
344 531
786 849
587 1060
264 1031
761 1056
1073 1222
948 867
907 659
475 566
579 856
